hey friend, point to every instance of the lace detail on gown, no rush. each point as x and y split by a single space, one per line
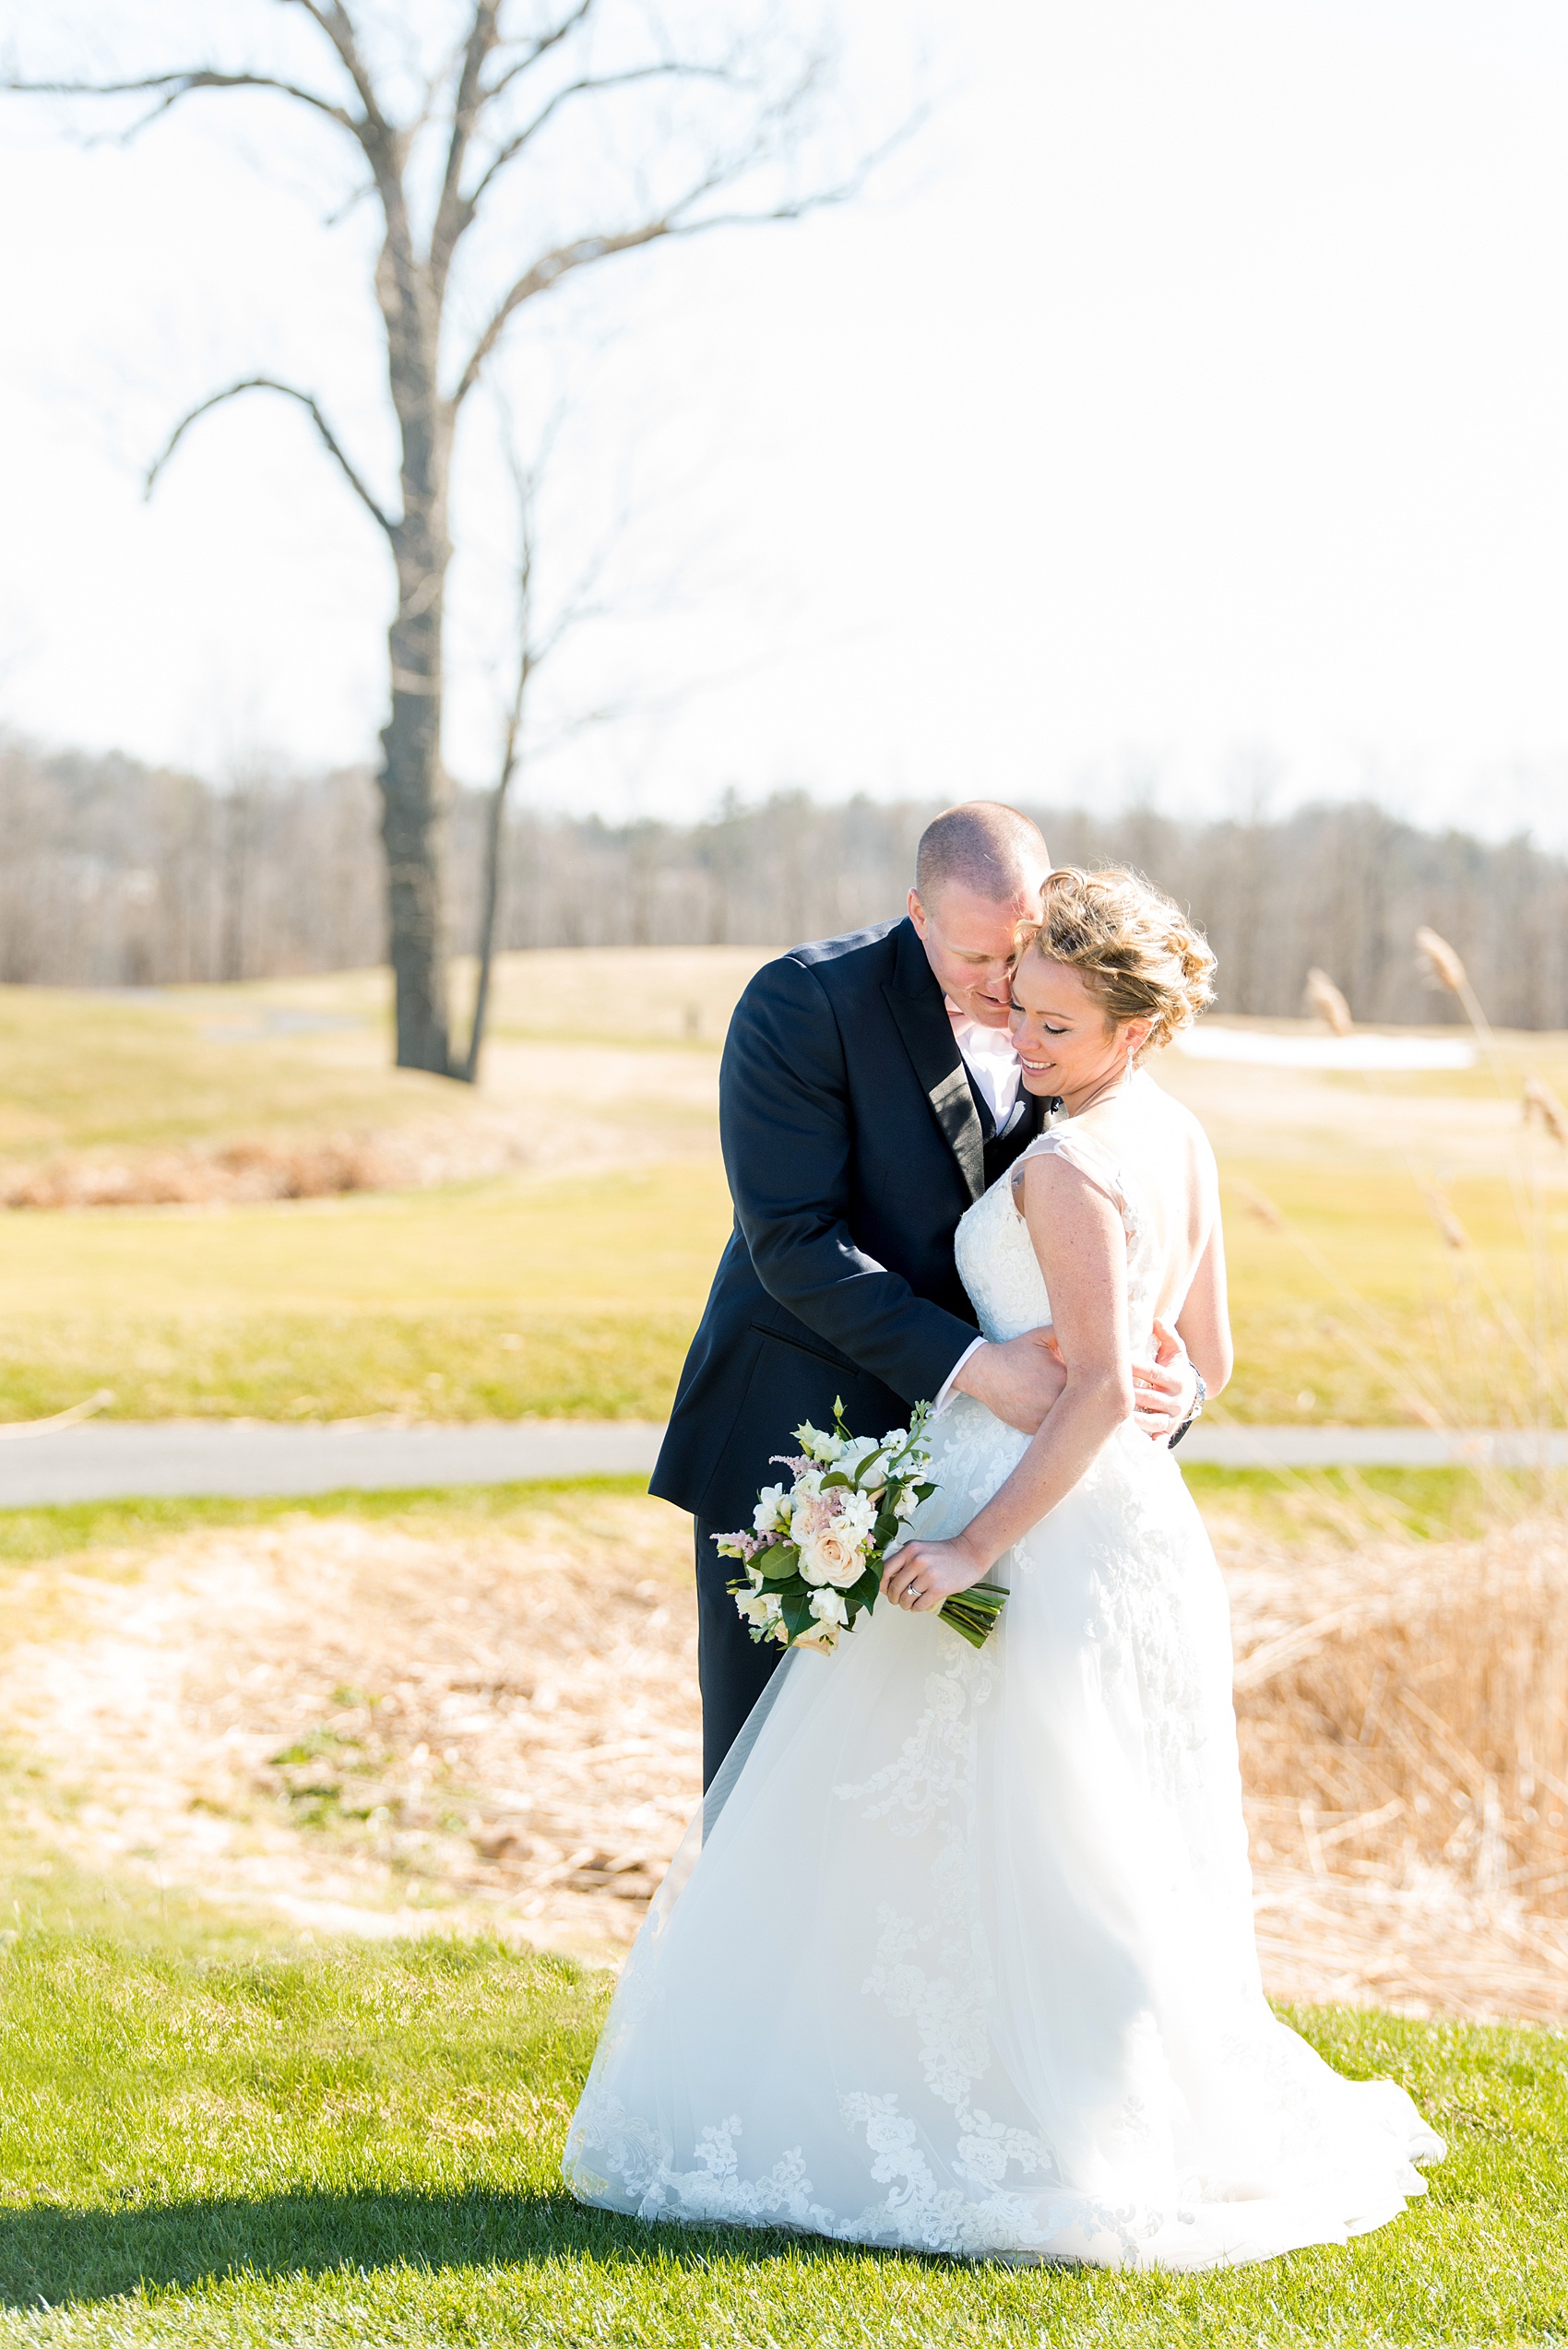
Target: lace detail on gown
1003 1897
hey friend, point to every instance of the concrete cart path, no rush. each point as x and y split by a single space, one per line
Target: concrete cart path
116 1460
113 1460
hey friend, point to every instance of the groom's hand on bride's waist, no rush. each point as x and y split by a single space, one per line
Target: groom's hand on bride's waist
1020 1379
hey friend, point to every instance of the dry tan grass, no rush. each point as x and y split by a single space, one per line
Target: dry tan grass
1404 1725
379 1728
261 1167
367 1729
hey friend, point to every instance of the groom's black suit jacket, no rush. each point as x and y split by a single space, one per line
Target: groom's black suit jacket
853 1141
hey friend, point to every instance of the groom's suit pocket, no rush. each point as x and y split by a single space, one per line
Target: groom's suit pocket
818 1346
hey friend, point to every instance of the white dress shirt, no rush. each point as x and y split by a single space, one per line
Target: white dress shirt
992 1061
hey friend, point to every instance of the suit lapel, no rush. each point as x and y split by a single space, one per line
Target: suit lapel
915 1000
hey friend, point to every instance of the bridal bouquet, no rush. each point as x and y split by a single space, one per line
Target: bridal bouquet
814 1558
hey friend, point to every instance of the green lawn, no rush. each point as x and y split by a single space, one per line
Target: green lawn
85 1068
81 1071
578 1296
1352 1308
361 2145
489 1300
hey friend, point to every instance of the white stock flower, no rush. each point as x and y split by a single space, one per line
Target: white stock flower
772 1512
857 1511
819 1447
905 1506
856 1453
761 1607
828 1606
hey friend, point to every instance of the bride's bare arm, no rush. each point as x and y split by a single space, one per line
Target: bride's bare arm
1203 1322
1082 1249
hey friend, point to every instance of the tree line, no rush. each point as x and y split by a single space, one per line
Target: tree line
117 874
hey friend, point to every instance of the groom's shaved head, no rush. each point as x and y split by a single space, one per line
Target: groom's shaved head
984 846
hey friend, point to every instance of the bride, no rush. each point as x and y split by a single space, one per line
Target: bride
959 1958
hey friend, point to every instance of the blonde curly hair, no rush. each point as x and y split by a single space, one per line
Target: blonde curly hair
1135 951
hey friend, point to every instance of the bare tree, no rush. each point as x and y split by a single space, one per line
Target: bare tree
435 141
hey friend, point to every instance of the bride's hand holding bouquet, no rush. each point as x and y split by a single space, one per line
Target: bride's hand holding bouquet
923 1575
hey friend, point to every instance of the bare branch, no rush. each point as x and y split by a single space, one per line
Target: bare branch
540 47
519 139
268 383
452 213
548 271
172 87
674 222
339 25
553 266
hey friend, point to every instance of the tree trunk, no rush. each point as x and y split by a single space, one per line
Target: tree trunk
494 849
414 789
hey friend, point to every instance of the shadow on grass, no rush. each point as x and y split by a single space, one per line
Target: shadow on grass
55 2256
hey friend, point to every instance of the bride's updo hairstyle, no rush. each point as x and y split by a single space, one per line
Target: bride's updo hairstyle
1135 952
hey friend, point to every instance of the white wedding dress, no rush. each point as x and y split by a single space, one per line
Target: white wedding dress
962 1959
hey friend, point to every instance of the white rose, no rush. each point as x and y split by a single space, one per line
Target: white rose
835 1556
828 1606
772 1512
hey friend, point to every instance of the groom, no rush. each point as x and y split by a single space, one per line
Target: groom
869 1094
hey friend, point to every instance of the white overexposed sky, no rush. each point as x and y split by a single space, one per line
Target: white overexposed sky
1185 411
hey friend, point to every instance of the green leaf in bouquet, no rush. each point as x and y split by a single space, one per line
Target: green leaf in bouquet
864 1592
835 1477
779 1561
797 1609
924 1491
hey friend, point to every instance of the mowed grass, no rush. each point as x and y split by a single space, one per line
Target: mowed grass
1354 1308
361 2145
579 1298
575 1298
84 1071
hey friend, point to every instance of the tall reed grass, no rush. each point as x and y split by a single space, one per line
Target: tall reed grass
1403 1704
